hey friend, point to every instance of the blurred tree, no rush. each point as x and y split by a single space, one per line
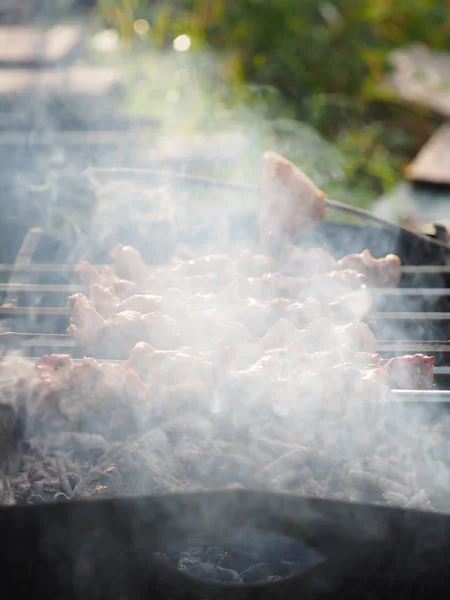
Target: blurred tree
325 57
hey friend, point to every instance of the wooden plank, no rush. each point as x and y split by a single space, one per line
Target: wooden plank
432 164
33 46
421 76
73 81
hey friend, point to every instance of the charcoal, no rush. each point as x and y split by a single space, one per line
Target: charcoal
419 501
186 560
74 479
394 499
82 444
285 568
239 557
289 481
162 557
143 466
193 552
255 573
388 470
216 555
376 483
294 460
61 497
124 423
7 496
204 570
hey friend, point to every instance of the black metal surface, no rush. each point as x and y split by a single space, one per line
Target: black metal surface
104 549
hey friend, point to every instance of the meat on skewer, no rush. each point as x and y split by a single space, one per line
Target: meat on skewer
290 203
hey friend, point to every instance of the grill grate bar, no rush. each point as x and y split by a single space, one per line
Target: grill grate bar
58 311
29 311
40 268
67 268
427 292
71 288
437 371
426 269
15 339
432 396
12 339
406 316
411 346
40 288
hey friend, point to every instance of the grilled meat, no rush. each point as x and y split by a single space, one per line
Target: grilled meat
411 372
290 202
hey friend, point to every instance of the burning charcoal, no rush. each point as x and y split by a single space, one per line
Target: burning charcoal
73 479
215 554
61 497
388 470
235 486
315 489
125 422
394 499
64 482
377 482
222 468
37 474
7 497
255 573
194 552
186 561
83 445
144 466
208 571
162 557
289 481
295 460
419 501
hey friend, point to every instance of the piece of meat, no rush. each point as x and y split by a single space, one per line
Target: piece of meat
160 331
123 288
204 330
103 299
143 303
411 372
153 285
324 335
89 274
382 273
86 322
256 316
128 263
306 262
255 265
280 335
220 264
290 203
324 287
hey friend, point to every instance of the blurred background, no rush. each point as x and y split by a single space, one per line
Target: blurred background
356 92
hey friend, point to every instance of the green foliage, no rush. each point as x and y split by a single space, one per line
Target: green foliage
325 58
